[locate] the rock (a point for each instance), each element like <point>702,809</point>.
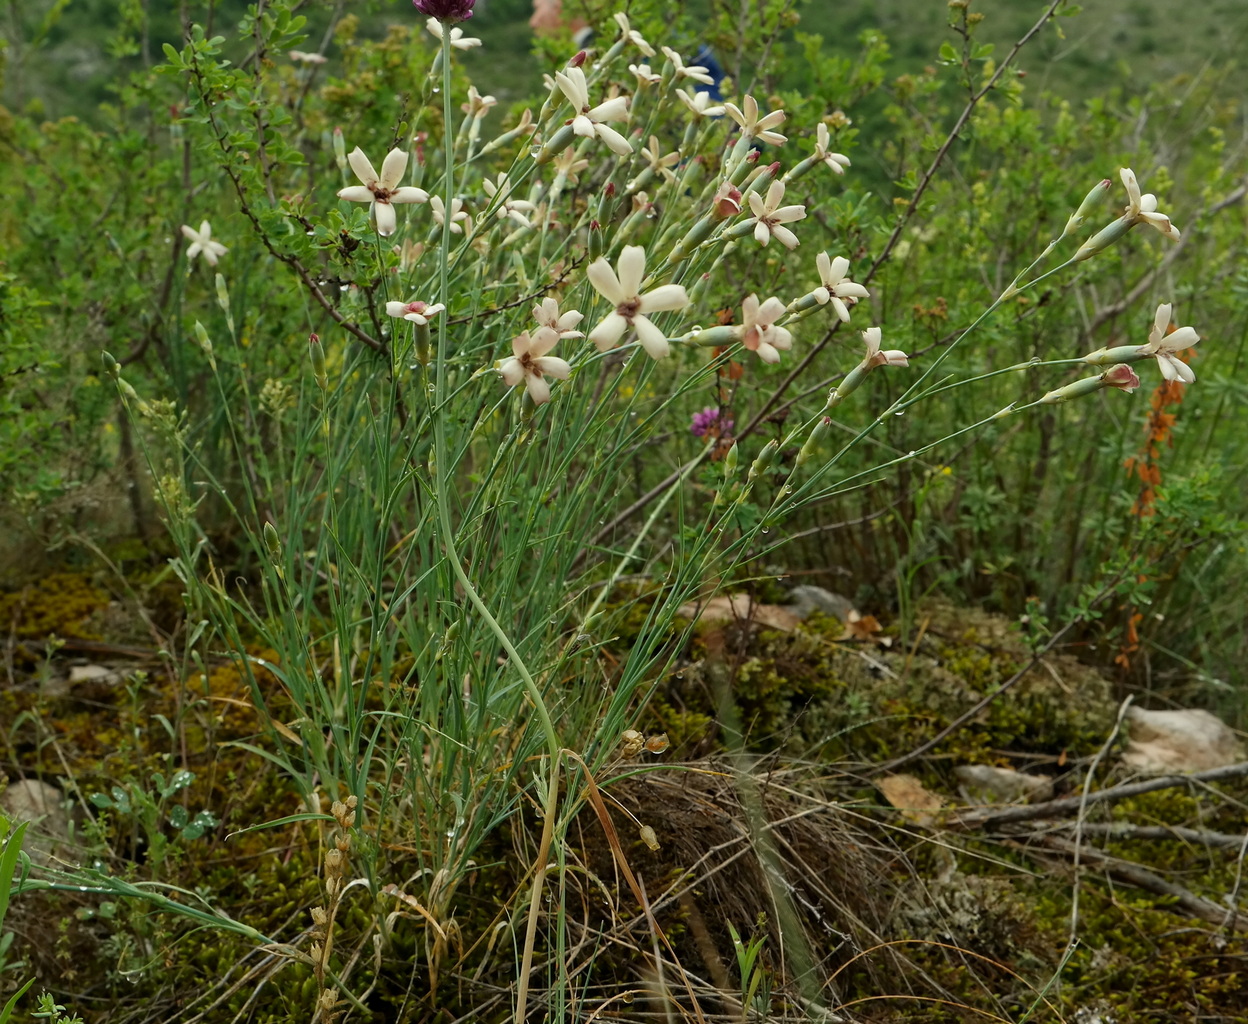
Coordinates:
<point>40,804</point>
<point>806,599</point>
<point>1187,740</point>
<point>93,674</point>
<point>909,796</point>
<point>730,607</point>
<point>987,784</point>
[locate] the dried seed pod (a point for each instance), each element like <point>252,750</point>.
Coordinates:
<point>631,743</point>
<point>649,838</point>
<point>657,743</point>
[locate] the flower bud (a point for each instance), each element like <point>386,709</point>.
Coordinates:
<point>1103,239</point>
<point>318,362</point>
<point>205,343</point>
<point>817,433</point>
<point>1121,377</point>
<point>579,60</point>
<point>730,462</point>
<point>272,541</point>
<point>110,365</point>
<point>765,458</point>
<point>1090,200</point>
<point>340,149</point>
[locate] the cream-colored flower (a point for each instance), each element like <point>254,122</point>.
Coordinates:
<point>459,219</point>
<point>516,210</point>
<point>644,75</point>
<point>477,105</point>
<point>202,243</point>
<point>759,332</point>
<point>588,121</point>
<point>381,191</point>
<point>874,357</point>
<point>699,104</point>
<point>529,364</point>
<point>837,161</point>
<point>694,72</point>
<point>547,314</point>
<point>660,162</point>
<point>1165,346</point>
<point>624,292</point>
<point>569,165</point>
<point>632,35</point>
<point>836,287</point>
<point>306,58</point>
<point>1144,207</point>
<point>459,41</point>
<point>770,217</point>
<point>755,127</point>
<point>416,311</point>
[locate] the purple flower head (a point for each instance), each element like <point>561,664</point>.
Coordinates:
<point>449,11</point>
<point>709,423</point>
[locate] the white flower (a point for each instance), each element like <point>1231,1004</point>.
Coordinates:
<point>644,75</point>
<point>201,242</point>
<point>1165,346</point>
<point>699,104</point>
<point>874,357</point>
<point>837,161</point>
<point>457,214</point>
<point>529,363</point>
<point>755,127</point>
<point>770,217</point>
<point>588,121</point>
<point>477,104</point>
<point>458,40</point>
<point>306,58</point>
<point>624,293</point>
<point>416,311</point>
<point>759,332</point>
<point>1144,207</point>
<point>836,287</point>
<point>381,190</point>
<point>508,209</point>
<point>633,35</point>
<point>547,314</point>
<point>694,72</point>
<point>569,165</point>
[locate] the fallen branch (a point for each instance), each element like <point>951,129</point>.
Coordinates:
<point>1126,830</point>
<point>1140,877</point>
<point>988,818</point>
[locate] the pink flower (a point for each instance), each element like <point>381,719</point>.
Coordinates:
<point>759,332</point>
<point>1165,346</point>
<point>874,357</point>
<point>630,306</point>
<point>770,217</point>
<point>1120,376</point>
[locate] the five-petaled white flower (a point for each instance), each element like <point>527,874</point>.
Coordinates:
<point>755,127</point>
<point>588,121</point>
<point>630,305</point>
<point>458,40</point>
<point>201,242</point>
<point>1164,346</point>
<point>837,161</point>
<point>694,72</point>
<point>759,332</point>
<point>874,357</point>
<point>381,190</point>
<point>457,214</point>
<point>699,104</point>
<point>547,314</point>
<point>770,217</point>
<point>529,363</point>
<point>516,210</point>
<point>1144,207</point>
<point>836,287</point>
<point>632,35</point>
<point>416,311</point>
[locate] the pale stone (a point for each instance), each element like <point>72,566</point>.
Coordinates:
<point>1187,740</point>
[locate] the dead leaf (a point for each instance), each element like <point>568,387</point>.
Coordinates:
<point>740,607</point>
<point>909,796</point>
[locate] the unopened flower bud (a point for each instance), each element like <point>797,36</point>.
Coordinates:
<point>1103,239</point>
<point>1120,376</point>
<point>817,433</point>
<point>579,60</point>
<point>730,462</point>
<point>1090,200</point>
<point>205,343</point>
<point>110,365</point>
<point>765,458</point>
<point>272,541</point>
<point>318,362</point>
<point>340,149</point>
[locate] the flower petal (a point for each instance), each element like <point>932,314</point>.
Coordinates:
<point>616,142</point>
<point>632,268</point>
<point>396,308</point>
<point>609,331</point>
<point>554,366</point>
<point>362,167</point>
<point>408,194</point>
<point>383,213</point>
<point>603,278</point>
<point>512,371</point>
<point>356,194</point>
<point>539,390</point>
<point>611,110</point>
<point>392,168</point>
<point>652,339</point>
<point>667,296</point>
